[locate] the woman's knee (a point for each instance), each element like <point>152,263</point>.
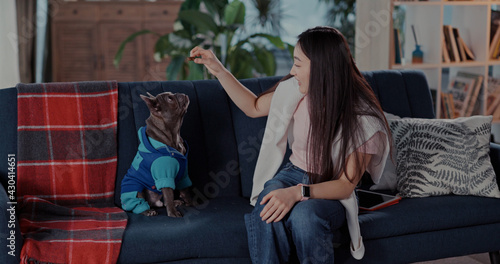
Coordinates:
<point>316,214</point>
<point>270,186</point>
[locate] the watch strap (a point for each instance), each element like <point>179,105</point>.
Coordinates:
<point>304,198</point>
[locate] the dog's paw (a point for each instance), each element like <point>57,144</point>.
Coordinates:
<point>178,203</point>
<point>150,212</point>
<point>190,203</point>
<point>185,195</point>
<point>173,212</point>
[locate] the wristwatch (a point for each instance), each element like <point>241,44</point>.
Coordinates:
<point>305,191</point>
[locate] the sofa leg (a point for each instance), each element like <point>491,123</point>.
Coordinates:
<point>495,257</point>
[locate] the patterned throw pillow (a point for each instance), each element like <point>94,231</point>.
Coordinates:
<point>444,156</point>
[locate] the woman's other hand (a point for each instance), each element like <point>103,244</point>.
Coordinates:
<point>279,202</point>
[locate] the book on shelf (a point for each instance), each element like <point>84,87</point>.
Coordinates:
<point>444,112</point>
<point>473,104</point>
<point>447,40</point>
<point>460,50</point>
<point>465,53</point>
<point>454,46</point>
<point>477,108</point>
<point>493,99</point>
<point>494,50</point>
<point>452,39</point>
<point>469,55</point>
<point>495,19</point>
<point>462,87</point>
<point>495,45</point>
<point>451,105</point>
<point>447,107</point>
<point>444,50</point>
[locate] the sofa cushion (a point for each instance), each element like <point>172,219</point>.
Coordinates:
<point>249,133</point>
<point>215,229</point>
<point>223,176</point>
<point>444,156</point>
<point>421,215</point>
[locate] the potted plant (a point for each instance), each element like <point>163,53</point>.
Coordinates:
<point>217,28</point>
<point>341,14</point>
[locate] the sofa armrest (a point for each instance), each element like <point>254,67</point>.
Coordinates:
<point>495,159</point>
<point>10,234</point>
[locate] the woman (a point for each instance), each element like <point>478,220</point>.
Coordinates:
<point>337,132</point>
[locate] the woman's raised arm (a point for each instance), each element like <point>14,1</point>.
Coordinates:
<point>245,99</point>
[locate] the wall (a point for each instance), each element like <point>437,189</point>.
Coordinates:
<point>9,65</point>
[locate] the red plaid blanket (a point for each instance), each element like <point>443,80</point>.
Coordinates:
<point>67,157</point>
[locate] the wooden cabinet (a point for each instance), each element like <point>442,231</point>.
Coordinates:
<point>87,34</point>
<point>73,54</point>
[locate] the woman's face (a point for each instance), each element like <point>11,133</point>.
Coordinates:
<point>301,69</point>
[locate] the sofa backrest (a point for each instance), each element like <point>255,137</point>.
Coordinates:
<point>224,143</point>
<point>218,133</point>
<point>404,93</point>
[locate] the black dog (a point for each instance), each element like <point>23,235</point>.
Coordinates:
<point>160,165</point>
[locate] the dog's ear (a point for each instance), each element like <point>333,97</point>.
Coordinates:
<point>152,104</point>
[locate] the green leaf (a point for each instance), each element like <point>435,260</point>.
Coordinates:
<point>180,39</point>
<point>162,46</point>
<point>241,63</point>
<point>266,60</point>
<point>195,71</point>
<point>275,40</point>
<point>119,53</point>
<point>175,67</point>
<point>216,7</point>
<point>191,5</point>
<point>203,22</point>
<point>234,13</point>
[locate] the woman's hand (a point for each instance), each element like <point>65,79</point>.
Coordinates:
<point>245,99</point>
<point>279,202</point>
<point>208,58</point>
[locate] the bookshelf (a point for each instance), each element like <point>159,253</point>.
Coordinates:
<point>375,48</point>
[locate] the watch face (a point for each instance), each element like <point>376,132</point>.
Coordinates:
<point>306,191</point>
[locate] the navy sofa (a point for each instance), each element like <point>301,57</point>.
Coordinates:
<point>224,144</point>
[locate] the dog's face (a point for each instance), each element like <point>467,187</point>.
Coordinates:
<point>167,106</point>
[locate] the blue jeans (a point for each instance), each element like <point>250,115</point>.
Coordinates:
<point>306,232</point>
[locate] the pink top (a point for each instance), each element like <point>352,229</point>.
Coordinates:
<point>300,132</point>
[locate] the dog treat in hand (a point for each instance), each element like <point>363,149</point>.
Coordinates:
<point>191,58</point>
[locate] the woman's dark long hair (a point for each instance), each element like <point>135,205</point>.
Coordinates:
<point>338,94</point>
